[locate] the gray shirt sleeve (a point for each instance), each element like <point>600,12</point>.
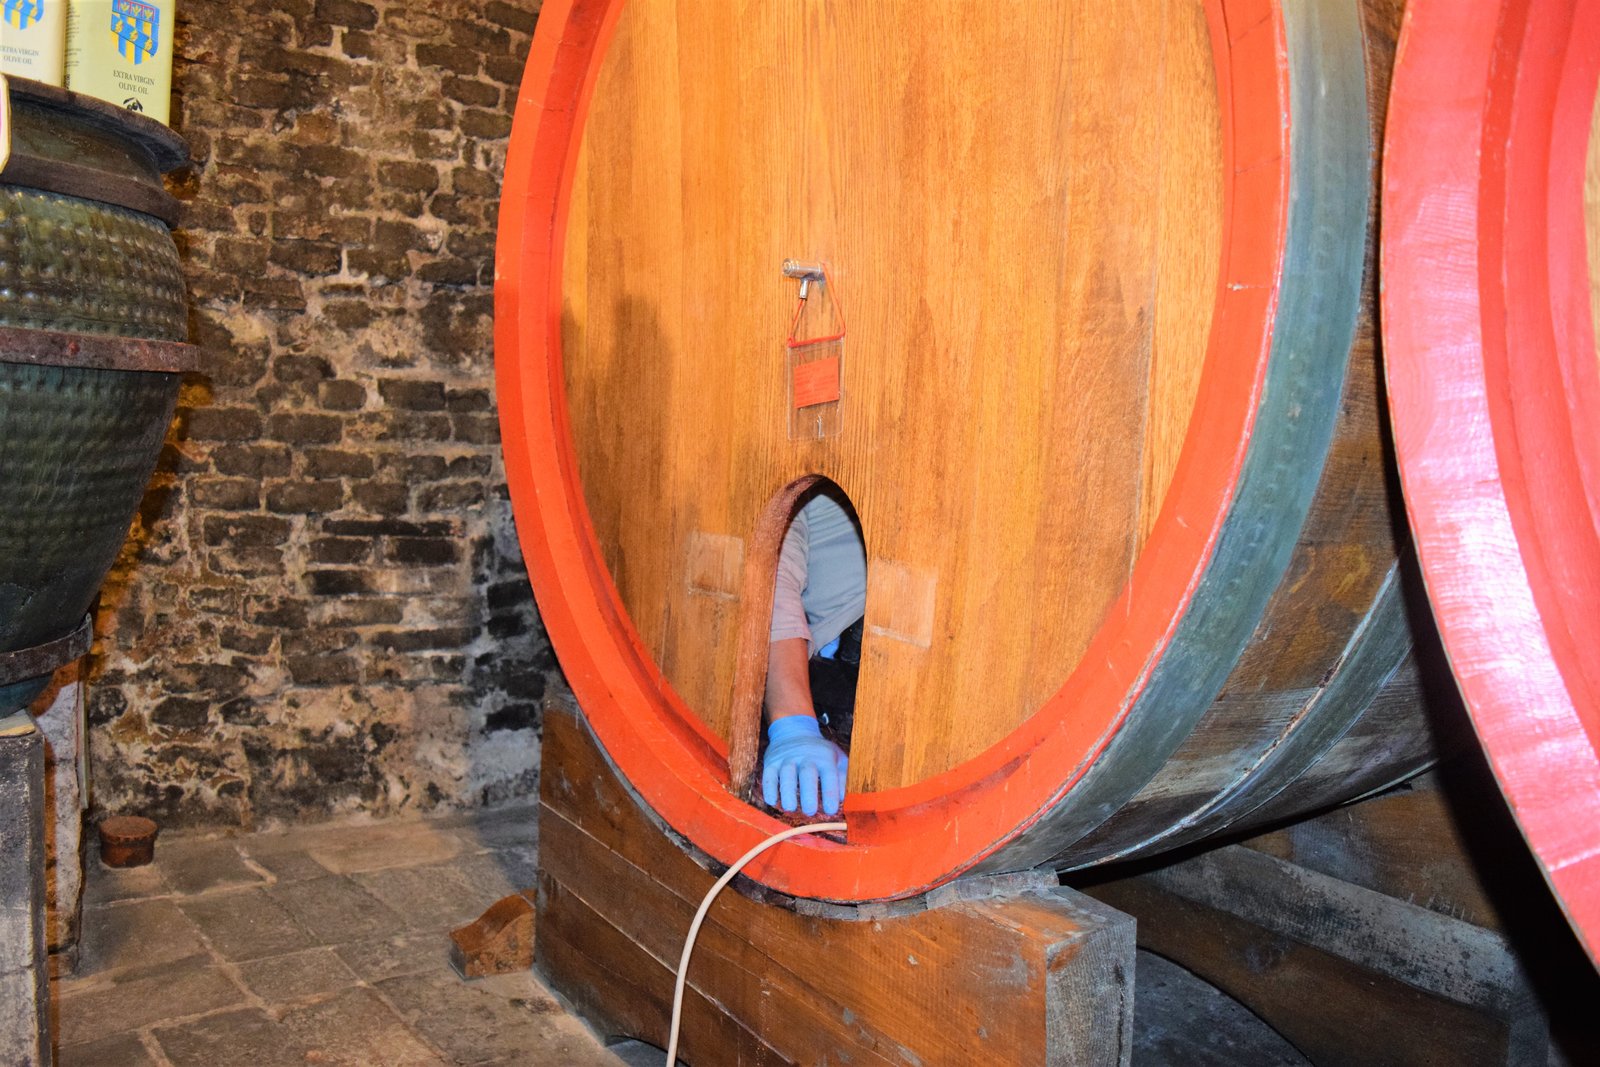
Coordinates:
<point>822,575</point>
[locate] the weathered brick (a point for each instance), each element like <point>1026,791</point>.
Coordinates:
<point>382,498</point>
<point>277,612</point>
<point>503,626</point>
<point>340,550</point>
<point>302,429</point>
<point>514,717</point>
<point>322,670</point>
<point>422,551</point>
<point>470,33</point>
<point>226,494</point>
<point>502,595</point>
<point>389,528</point>
<point>412,395</point>
<point>306,498</point>
<point>342,395</point>
<point>181,713</point>
<point>289,368</point>
<point>472,92</point>
<point>255,461</point>
<point>307,257</point>
<point>347,13</point>
<point>338,582</point>
<point>422,640</point>
<point>274,294</point>
<point>477,122</point>
<point>450,57</point>
<point>418,22</point>
<point>253,642</point>
<point>317,640</point>
<point>361,611</point>
<point>224,424</point>
<point>478,429</point>
<point>338,463</point>
<point>468,400</point>
<point>416,467</point>
<point>450,272</point>
<point>519,17</point>
<point>410,426</point>
<point>450,496</point>
<point>245,530</point>
<point>417,177</point>
<point>507,70</point>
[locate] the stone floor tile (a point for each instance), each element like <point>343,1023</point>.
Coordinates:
<point>563,1040</point>
<point>437,897</point>
<point>247,1037</point>
<point>516,826</point>
<point>350,849</point>
<point>639,1054</point>
<point>135,934</point>
<point>296,975</point>
<point>123,1050</point>
<point>357,1028</point>
<point>283,856</point>
<point>388,957</point>
<point>500,873</point>
<point>103,885</point>
<point>197,866</point>
<point>504,1019</point>
<point>336,910</point>
<point>91,1010</point>
<point>246,925</point>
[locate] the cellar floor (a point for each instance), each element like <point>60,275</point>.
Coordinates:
<point>327,945</point>
<point>322,945</point>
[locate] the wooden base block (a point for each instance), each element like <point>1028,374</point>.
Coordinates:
<point>1013,970</point>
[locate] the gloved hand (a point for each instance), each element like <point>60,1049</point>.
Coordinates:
<point>799,763</point>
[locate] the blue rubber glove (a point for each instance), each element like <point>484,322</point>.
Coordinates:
<point>801,762</point>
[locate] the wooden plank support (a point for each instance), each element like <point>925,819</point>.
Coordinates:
<point>1348,974</point>
<point>1008,970</point>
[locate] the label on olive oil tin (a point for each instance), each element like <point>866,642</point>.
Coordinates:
<point>121,51</point>
<point>33,39</point>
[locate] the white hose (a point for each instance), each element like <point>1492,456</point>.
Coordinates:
<point>705,906</point>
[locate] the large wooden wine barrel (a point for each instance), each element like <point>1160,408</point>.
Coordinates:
<point>1491,259</point>
<point>1109,410</point>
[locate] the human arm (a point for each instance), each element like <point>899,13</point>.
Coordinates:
<point>799,764</point>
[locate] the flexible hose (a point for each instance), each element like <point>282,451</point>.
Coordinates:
<point>705,906</point>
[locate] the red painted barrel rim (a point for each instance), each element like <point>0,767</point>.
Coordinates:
<point>906,840</point>
<point>1488,333</point>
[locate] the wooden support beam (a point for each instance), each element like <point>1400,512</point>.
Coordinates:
<point>1411,928</point>
<point>1008,970</point>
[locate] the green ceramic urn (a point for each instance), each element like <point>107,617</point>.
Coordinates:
<point>92,322</point>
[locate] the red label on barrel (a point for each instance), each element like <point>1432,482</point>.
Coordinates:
<point>816,382</point>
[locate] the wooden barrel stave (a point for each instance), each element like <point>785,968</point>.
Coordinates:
<point>1303,626</point>
<point>1277,551</point>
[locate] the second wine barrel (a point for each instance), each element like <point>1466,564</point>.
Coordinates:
<point>1492,283</point>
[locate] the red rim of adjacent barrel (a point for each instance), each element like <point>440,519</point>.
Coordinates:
<point>1490,349</point>
<point>906,840</point>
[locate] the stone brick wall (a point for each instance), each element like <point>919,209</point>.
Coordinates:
<point>321,609</point>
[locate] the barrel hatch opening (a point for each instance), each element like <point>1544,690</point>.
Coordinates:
<point>801,638</point>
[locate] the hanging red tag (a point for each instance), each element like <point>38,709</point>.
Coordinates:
<point>816,382</point>
<point>814,358</point>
